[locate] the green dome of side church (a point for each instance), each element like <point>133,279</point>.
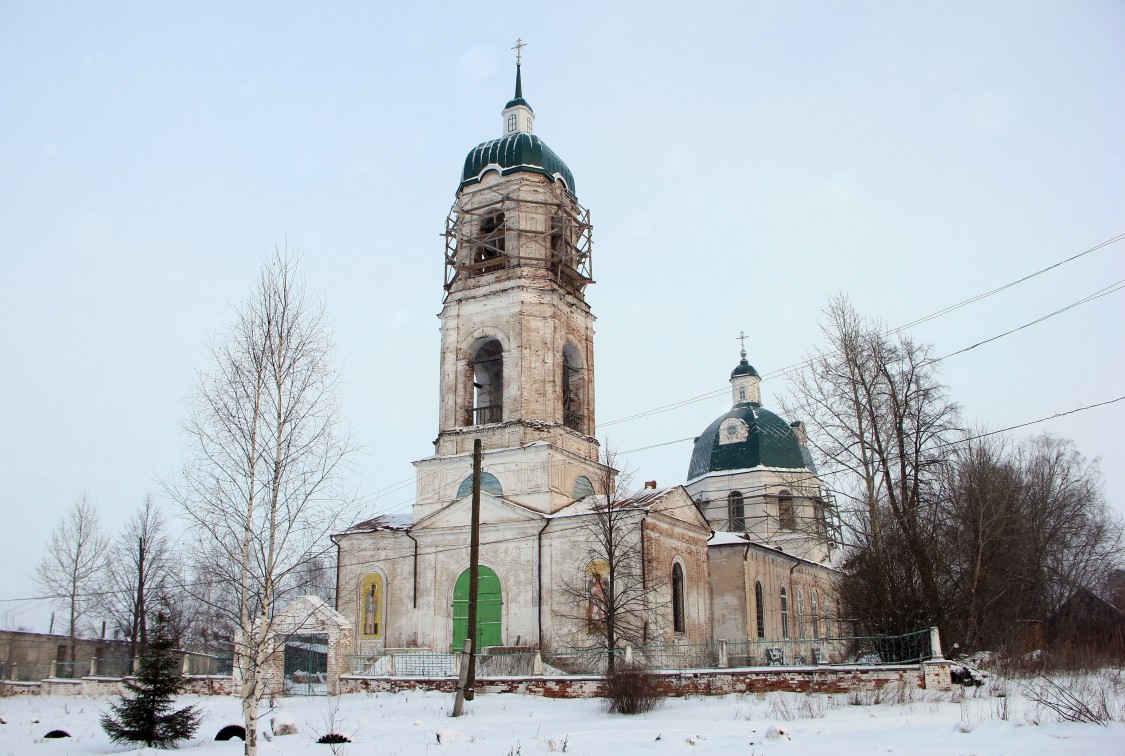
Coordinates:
<point>748,436</point>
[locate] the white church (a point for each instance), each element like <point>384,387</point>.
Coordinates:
<point>741,551</point>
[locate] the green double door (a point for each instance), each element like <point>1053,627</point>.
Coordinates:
<point>489,605</point>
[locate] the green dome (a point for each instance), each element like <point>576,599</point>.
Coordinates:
<point>768,442</point>
<point>513,153</point>
<point>744,368</point>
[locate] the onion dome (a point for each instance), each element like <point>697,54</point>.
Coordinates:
<point>748,436</point>
<point>519,150</point>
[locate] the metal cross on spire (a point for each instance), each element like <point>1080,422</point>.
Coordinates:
<point>520,44</point>
<point>741,338</point>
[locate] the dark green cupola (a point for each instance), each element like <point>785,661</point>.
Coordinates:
<point>519,150</point>
<point>747,436</point>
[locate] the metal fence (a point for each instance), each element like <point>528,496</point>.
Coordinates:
<point>193,664</point>
<point>911,648</point>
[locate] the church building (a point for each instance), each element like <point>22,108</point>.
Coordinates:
<point>712,559</point>
<point>517,372</point>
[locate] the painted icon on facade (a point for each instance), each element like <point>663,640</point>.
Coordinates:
<point>597,592</point>
<point>372,606</point>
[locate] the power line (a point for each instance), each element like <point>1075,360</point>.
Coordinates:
<point>794,367</point>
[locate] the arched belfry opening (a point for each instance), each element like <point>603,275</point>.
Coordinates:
<point>519,221</point>
<point>573,378</point>
<point>486,365</point>
<point>489,243</point>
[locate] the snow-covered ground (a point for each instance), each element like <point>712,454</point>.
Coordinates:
<point>497,724</point>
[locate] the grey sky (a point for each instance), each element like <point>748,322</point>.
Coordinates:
<point>742,162</point>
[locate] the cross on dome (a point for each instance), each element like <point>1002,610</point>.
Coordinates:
<point>741,338</point>
<point>518,47</point>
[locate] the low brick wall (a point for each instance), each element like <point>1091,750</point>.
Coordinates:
<point>930,676</point>
<point>199,685</point>
<point>9,688</point>
<point>209,685</point>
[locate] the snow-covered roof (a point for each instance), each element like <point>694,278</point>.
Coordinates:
<point>641,500</point>
<point>383,522</point>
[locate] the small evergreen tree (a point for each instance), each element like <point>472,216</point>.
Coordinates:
<point>146,715</point>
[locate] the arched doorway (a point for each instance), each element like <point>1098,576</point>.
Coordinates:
<point>489,605</point>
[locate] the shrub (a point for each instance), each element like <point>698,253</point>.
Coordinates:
<point>332,738</point>
<point>632,690</point>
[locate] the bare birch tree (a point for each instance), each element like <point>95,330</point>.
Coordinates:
<point>263,483</point>
<point>72,562</point>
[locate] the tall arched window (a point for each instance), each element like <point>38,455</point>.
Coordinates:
<point>800,613</point>
<point>488,383</point>
<point>736,512</point>
<point>815,615</point>
<point>489,243</point>
<point>760,609</point>
<point>784,613</point>
<point>786,516</point>
<point>678,624</point>
<point>572,385</point>
<point>512,122</point>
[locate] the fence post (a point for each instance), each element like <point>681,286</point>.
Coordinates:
<point>537,665</point>
<point>54,669</point>
<point>187,664</point>
<point>136,664</point>
<point>391,665</point>
<point>93,666</point>
<point>935,644</point>
<point>628,654</point>
<point>723,660</point>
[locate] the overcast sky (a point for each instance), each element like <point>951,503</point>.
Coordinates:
<point>742,162</point>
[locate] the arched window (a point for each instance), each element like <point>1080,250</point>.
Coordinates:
<point>736,512</point>
<point>815,615</point>
<point>786,516</point>
<point>488,383</point>
<point>678,624</point>
<point>489,244</point>
<point>800,613</point>
<point>512,122</point>
<point>572,380</point>
<point>488,482</point>
<point>784,613</point>
<point>582,488</point>
<point>760,609</point>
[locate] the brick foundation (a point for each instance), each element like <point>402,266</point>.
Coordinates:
<point>930,676</point>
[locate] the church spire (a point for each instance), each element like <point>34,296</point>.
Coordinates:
<point>519,118</point>
<point>744,379</point>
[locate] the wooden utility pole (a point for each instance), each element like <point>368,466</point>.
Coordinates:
<point>468,677</point>
<point>474,569</point>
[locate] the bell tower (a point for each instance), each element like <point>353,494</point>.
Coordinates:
<point>517,335</point>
